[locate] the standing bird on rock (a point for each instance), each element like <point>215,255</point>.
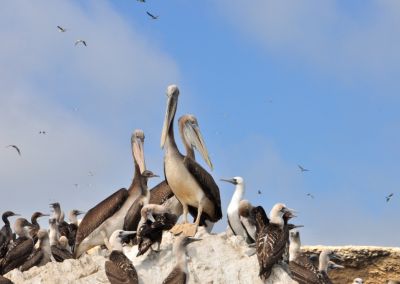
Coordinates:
<point>35,225</point>
<point>6,234</point>
<point>325,256</point>
<point>192,185</point>
<point>272,236</point>
<point>234,220</point>
<point>58,245</point>
<point>109,215</point>
<point>40,255</point>
<point>178,275</point>
<point>119,269</point>
<point>21,248</point>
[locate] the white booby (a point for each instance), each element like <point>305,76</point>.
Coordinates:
<point>40,255</point>
<point>358,281</point>
<point>21,248</point>
<point>157,218</point>
<point>109,215</point>
<point>179,273</point>
<point>325,256</point>
<point>191,184</point>
<point>6,234</point>
<point>119,269</point>
<point>272,236</point>
<point>234,220</point>
<point>35,225</point>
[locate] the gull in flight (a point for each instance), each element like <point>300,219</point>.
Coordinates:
<point>309,194</point>
<point>389,197</point>
<point>16,148</point>
<point>80,41</point>
<point>152,16</point>
<point>42,132</point>
<point>303,169</point>
<point>61,29</point>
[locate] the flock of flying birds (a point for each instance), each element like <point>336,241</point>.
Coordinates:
<point>131,222</point>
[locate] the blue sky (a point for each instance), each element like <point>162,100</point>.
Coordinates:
<point>273,84</point>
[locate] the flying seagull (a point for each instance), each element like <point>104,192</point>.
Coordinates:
<point>16,148</point>
<point>61,29</point>
<point>80,41</point>
<point>152,16</point>
<point>303,169</point>
<point>389,197</point>
<point>309,194</point>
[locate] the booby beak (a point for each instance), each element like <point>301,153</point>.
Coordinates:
<point>127,233</point>
<point>172,102</point>
<point>290,213</point>
<point>193,135</point>
<point>333,255</point>
<point>80,213</point>
<point>231,180</point>
<point>150,216</point>
<point>137,142</point>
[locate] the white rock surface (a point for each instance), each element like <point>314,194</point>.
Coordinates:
<point>214,259</point>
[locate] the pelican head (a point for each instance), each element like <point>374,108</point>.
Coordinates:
<point>117,238</point>
<point>234,180</point>
<point>137,143</point>
<point>191,135</point>
<point>172,103</point>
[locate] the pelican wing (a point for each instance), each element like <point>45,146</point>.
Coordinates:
<point>207,184</point>
<point>177,276</point>
<point>119,269</point>
<point>160,193</point>
<point>101,212</point>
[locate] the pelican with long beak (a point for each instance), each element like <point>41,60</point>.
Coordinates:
<point>109,215</point>
<point>192,185</point>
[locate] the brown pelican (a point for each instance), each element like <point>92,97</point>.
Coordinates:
<point>109,215</point>
<point>191,184</point>
<point>272,236</point>
<point>358,281</point>
<point>158,218</point>
<point>41,255</point>
<point>119,269</point>
<point>21,248</point>
<point>325,256</point>
<point>35,225</point>
<point>178,275</point>
<point>6,234</point>
<point>234,220</point>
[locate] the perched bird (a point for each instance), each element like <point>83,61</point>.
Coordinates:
<point>192,185</point>
<point>178,275</point>
<point>40,255</point>
<point>247,218</point>
<point>234,221</point>
<point>310,195</point>
<point>58,214</point>
<point>35,225</point>
<point>152,16</point>
<point>58,245</point>
<point>6,234</point>
<point>119,269</point>
<point>80,41</point>
<point>303,169</point>
<point>73,226</point>
<point>21,248</point>
<point>16,148</point>
<point>61,29</point>
<point>389,197</point>
<point>358,281</point>
<point>271,237</point>
<point>324,258</point>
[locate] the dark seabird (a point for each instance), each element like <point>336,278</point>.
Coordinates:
<point>40,255</point>
<point>21,248</point>
<point>234,220</point>
<point>192,185</point>
<point>109,215</point>
<point>58,245</point>
<point>157,218</point>
<point>35,225</point>
<point>179,273</point>
<point>80,41</point>
<point>61,29</point>
<point>16,148</point>
<point>152,16</point>
<point>271,237</point>
<point>389,197</point>
<point>119,269</point>
<point>6,234</point>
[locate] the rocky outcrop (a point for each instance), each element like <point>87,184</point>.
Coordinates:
<point>375,265</point>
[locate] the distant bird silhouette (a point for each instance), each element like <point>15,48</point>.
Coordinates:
<point>303,169</point>
<point>90,173</point>
<point>309,194</point>
<point>80,41</point>
<point>152,16</point>
<point>61,29</point>
<point>259,192</point>
<point>42,132</point>
<point>389,197</point>
<point>141,1</point>
<point>16,148</point>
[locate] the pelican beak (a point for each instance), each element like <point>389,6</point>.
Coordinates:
<point>192,134</point>
<point>128,233</point>
<point>172,102</point>
<point>231,180</point>
<point>138,150</point>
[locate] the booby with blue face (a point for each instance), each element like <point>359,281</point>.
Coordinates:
<point>192,185</point>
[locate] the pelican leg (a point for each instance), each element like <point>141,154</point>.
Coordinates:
<point>191,229</point>
<point>178,228</point>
